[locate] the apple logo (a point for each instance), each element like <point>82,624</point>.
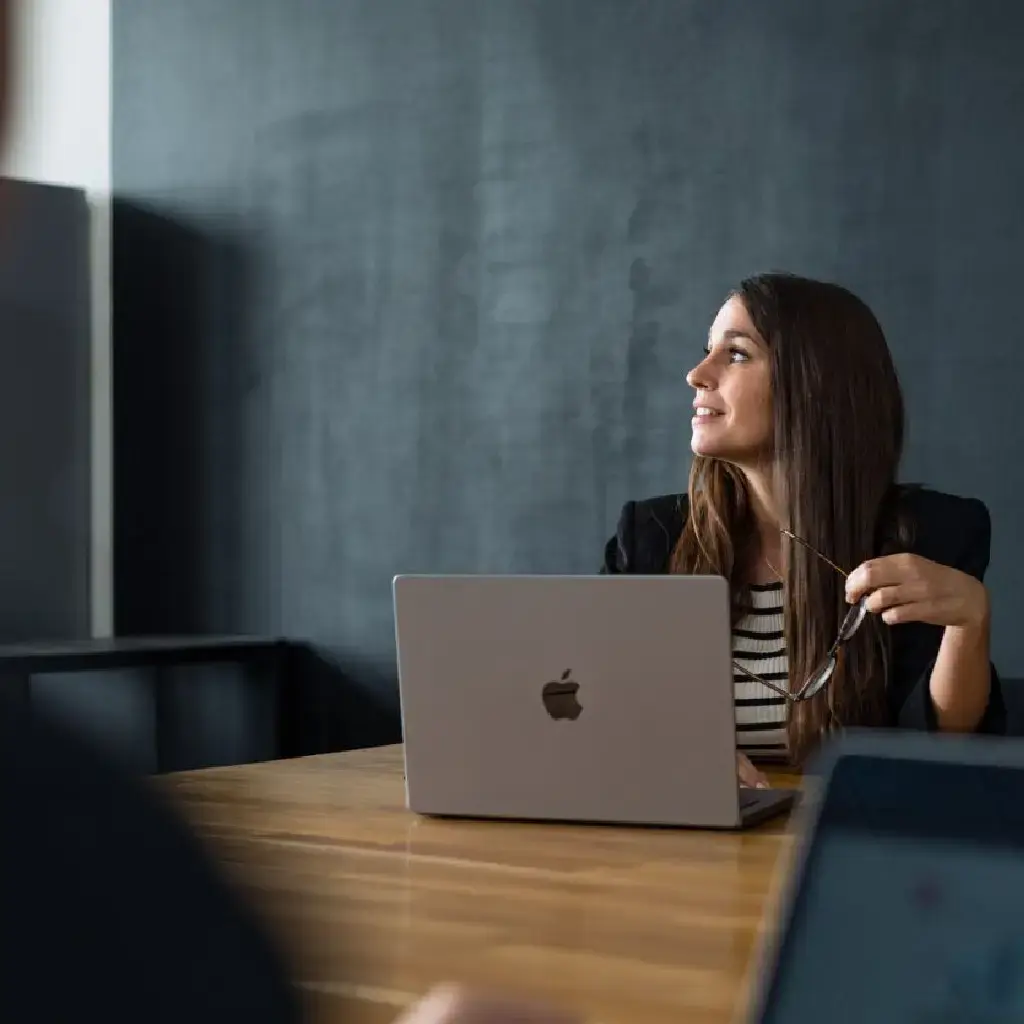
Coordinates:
<point>560,700</point>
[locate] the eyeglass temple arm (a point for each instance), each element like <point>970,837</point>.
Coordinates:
<point>814,551</point>
<point>764,682</point>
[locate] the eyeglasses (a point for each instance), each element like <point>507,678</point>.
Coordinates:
<point>818,680</point>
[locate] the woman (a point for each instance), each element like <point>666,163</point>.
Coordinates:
<point>797,436</point>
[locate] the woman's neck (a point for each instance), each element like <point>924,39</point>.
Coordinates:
<point>768,567</point>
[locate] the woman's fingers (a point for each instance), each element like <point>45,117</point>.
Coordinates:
<point>886,597</point>
<point>908,588</point>
<point>748,774</point>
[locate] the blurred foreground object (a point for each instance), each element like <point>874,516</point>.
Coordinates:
<point>110,908</point>
<point>908,894</point>
<point>453,1004</point>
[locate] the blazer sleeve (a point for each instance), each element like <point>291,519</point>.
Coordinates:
<point>915,645</point>
<point>618,552</point>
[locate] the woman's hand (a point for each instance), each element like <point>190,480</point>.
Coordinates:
<point>749,775</point>
<point>909,588</point>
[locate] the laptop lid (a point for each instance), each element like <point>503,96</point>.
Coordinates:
<point>908,897</point>
<point>578,698</point>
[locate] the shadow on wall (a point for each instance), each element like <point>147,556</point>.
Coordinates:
<point>194,526</point>
<point>328,710</point>
<point>196,521</point>
<point>158,423</point>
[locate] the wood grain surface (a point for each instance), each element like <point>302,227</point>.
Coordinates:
<point>374,905</point>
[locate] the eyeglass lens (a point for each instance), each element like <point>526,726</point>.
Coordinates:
<point>852,621</point>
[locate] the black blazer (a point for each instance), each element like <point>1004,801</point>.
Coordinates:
<point>950,530</point>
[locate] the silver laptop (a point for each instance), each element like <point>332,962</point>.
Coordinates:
<point>572,698</point>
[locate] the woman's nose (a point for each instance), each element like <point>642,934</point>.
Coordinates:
<point>700,377</point>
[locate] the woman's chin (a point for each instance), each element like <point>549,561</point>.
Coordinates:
<point>717,449</point>
<point>703,446</point>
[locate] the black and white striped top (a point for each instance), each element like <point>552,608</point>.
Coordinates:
<point>758,644</point>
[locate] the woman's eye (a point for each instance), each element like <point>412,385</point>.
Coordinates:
<point>737,355</point>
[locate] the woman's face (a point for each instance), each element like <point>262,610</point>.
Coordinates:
<point>733,407</point>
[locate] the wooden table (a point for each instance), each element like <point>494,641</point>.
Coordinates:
<point>375,905</point>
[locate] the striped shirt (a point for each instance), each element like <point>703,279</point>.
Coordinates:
<point>759,645</point>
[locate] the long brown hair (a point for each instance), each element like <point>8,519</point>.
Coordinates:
<point>838,437</point>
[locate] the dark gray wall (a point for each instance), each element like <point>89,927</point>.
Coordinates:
<point>431,273</point>
<point>45,503</point>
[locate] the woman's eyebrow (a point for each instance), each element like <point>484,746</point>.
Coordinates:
<point>734,334</point>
